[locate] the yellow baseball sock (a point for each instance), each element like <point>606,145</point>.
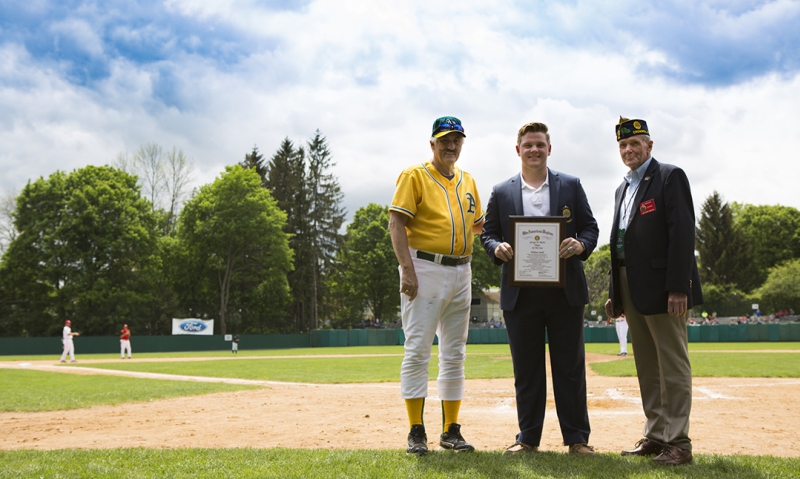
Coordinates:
<point>450,413</point>
<point>415,407</point>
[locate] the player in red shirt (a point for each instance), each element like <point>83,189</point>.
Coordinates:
<point>125,341</point>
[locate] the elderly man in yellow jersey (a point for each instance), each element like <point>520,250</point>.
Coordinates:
<point>434,213</point>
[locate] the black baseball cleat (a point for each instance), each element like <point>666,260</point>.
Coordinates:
<point>417,440</point>
<point>452,439</point>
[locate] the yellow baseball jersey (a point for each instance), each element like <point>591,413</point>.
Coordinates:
<point>441,211</point>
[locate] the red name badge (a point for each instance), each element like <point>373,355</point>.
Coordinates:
<point>647,207</point>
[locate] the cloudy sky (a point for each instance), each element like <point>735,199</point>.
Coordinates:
<point>717,82</point>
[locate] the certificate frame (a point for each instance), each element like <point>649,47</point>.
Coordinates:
<point>536,262</point>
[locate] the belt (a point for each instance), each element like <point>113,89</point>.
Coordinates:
<point>442,259</point>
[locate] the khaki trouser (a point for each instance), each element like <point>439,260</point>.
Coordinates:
<point>661,352</point>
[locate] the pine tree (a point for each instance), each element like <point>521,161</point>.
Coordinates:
<point>725,257</point>
<point>325,218</point>
<point>286,179</point>
<point>255,160</point>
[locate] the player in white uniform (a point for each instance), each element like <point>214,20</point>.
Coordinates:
<point>125,341</point>
<point>66,339</point>
<point>622,335</point>
<point>434,213</point>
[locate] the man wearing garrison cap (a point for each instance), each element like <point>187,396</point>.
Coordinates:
<point>654,282</point>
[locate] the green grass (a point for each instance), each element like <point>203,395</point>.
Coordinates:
<point>613,348</point>
<point>600,348</point>
<point>285,463</point>
<point>495,364</point>
<point>227,353</point>
<point>483,361</point>
<point>771,346</point>
<point>26,390</point>
<point>721,365</point>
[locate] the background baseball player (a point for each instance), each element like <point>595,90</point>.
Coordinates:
<point>125,341</point>
<point>66,340</point>
<point>235,345</point>
<point>434,213</point>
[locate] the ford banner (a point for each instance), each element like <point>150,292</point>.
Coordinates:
<point>193,326</point>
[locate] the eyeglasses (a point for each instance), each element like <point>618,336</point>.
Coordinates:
<point>449,127</point>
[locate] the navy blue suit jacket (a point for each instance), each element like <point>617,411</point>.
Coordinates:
<point>565,190</point>
<point>659,242</point>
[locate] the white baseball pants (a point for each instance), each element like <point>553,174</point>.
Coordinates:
<point>441,308</point>
<point>69,348</point>
<point>622,334</point>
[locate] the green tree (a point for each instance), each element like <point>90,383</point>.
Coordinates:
<point>725,256</point>
<point>366,269</point>
<point>725,300</point>
<point>781,290</point>
<point>232,233</point>
<point>254,159</point>
<point>772,231</point>
<point>597,269</point>
<point>85,250</point>
<point>485,274</point>
<point>286,179</point>
<point>325,217</point>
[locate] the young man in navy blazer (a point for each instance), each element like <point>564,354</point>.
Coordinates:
<point>531,311</point>
<point>654,282</point>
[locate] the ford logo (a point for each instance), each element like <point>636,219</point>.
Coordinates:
<point>192,326</point>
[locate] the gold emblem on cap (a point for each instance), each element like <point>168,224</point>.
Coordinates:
<point>637,125</point>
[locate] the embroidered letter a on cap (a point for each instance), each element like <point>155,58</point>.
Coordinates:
<point>647,206</point>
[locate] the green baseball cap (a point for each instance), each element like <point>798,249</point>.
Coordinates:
<point>445,125</point>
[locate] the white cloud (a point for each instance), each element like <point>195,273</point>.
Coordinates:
<point>80,33</point>
<point>372,76</point>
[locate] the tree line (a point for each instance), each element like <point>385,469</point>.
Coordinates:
<point>746,254</point>
<point>254,250</point>
<point>259,249</point>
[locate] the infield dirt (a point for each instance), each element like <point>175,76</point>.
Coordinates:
<point>729,416</point>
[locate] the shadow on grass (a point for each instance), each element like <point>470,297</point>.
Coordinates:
<point>552,464</point>
<point>297,463</point>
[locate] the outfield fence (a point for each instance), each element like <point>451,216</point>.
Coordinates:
<point>321,338</point>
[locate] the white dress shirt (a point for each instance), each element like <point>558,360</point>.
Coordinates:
<point>536,201</point>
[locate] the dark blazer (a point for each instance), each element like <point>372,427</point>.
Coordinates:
<point>565,190</point>
<point>659,242</point>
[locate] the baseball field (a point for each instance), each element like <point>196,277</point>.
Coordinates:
<point>336,412</point>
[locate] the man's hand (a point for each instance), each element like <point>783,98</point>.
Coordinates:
<point>570,247</point>
<point>397,230</point>
<point>676,304</point>
<point>504,252</point>
<point>409,284</point>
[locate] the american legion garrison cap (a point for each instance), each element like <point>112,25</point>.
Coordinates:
<point>627,128</point>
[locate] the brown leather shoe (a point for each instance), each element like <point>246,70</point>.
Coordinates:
<point>519,447</point>
<point>645,447</point>
<point>581,449</point>
<point>673,456</point>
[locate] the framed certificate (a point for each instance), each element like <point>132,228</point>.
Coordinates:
<point>535,241</point>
